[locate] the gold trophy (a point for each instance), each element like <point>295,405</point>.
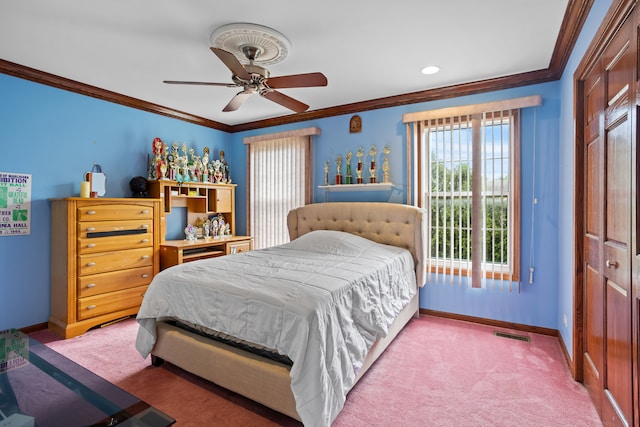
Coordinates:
<point>338,169</point>
<point>359,155</point>
<point>372,169</point>
<point>385,163</point>
<point>348,177</point>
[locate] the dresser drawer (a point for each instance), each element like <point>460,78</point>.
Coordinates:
<point>237,247</point>
<point>107,303</point>
<point>98,229</point>
<point>114,281</point>
<point>113,211</point>
<point>110,261</point>
<point>105,244</point>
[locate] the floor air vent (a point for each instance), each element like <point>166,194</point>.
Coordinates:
<point>512,336</point>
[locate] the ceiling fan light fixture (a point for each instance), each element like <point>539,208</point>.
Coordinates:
<point>272,47</point>
<point>430,69</point>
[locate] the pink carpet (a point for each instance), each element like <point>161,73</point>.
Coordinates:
<point>438,372</point>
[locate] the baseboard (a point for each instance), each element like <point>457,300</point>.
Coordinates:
<point>506,325</point>
<point>567,358</point>
<point>34,328</point>
<point>491,322</point>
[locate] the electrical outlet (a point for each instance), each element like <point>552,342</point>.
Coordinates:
<point>566,321</point>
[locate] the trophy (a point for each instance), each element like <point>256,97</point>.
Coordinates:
<point>326,172</point>
<point>348,177</point>
<point>372,169</point>
<point>359,155</point>
<point>385,164</point>
<point>338,169</point>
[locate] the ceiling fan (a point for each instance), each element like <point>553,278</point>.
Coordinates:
<point>253,79</point>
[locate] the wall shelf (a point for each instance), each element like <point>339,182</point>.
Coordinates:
<point>378,186</point>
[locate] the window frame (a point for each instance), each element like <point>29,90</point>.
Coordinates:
<point>463,124</point>
<point>304,177</point>
<point>415,124</point>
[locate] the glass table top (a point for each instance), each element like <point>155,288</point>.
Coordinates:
<point>39,387</point>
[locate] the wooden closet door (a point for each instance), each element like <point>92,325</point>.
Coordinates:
<point>593,184</point>
<point>619,65</point>
<point>608,185</point>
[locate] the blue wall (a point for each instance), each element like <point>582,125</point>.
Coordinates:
<point>535,304</point>
<point>57,135</point>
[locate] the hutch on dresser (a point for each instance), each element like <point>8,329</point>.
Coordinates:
<point>202,199</point>
<point>104,254</point>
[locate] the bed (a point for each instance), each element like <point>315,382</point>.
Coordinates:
<point>348,305</point>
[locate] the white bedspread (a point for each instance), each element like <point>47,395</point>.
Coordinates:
<point>322,300</point>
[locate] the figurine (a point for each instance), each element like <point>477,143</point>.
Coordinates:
<point>225,169</point>
<point>158,162</point>
<point>205,165</point>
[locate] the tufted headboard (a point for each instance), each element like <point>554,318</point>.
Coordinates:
<point>388,223</point>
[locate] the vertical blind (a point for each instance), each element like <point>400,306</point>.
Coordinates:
<point>467,176</point>
<point>278,181</point>
<point>468,191</point>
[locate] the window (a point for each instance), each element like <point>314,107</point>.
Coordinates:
<point>467,176</point>
<point>279,179</point>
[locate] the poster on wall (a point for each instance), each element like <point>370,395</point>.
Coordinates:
<point>15,204</point>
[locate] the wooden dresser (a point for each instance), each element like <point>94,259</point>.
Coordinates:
<point>104,254</point>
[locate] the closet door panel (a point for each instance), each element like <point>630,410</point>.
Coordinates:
<point>593,182</point>
<point>617,407</point>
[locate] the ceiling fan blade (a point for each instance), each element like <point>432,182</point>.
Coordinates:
<point>285,101</point>
<point>297,80</point>
<point>232,63</point>
<point>237,101</point>
<point>180,82</point>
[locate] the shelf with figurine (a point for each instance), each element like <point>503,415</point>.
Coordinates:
<point>168,164</point>
<point>347,183</point>
<point>188,180</point>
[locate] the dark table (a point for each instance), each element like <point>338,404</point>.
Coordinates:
<point>39,387</point>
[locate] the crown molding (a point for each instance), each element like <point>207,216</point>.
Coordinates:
<point>575,16</point>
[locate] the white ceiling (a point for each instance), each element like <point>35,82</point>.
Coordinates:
<point>367,50</point>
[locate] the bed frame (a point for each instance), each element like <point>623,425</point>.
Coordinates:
<point>269,382</point>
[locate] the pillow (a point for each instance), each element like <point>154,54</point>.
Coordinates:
<point>331,242</point>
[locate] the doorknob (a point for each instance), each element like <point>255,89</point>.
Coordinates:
<point>614,264</point>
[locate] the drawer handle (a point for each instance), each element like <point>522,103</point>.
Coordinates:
<point>145,211</point>
<point>91,228</point>
<point>91,307</point>
<point>145,256</point>
<point>144,240</point>
<point>612,264</point>
<point>145,275</point>
<point>91,245</point>
<point>145,226</point>
<point>91,264</point>
<point>91,212</point>
<point>91,285</point>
